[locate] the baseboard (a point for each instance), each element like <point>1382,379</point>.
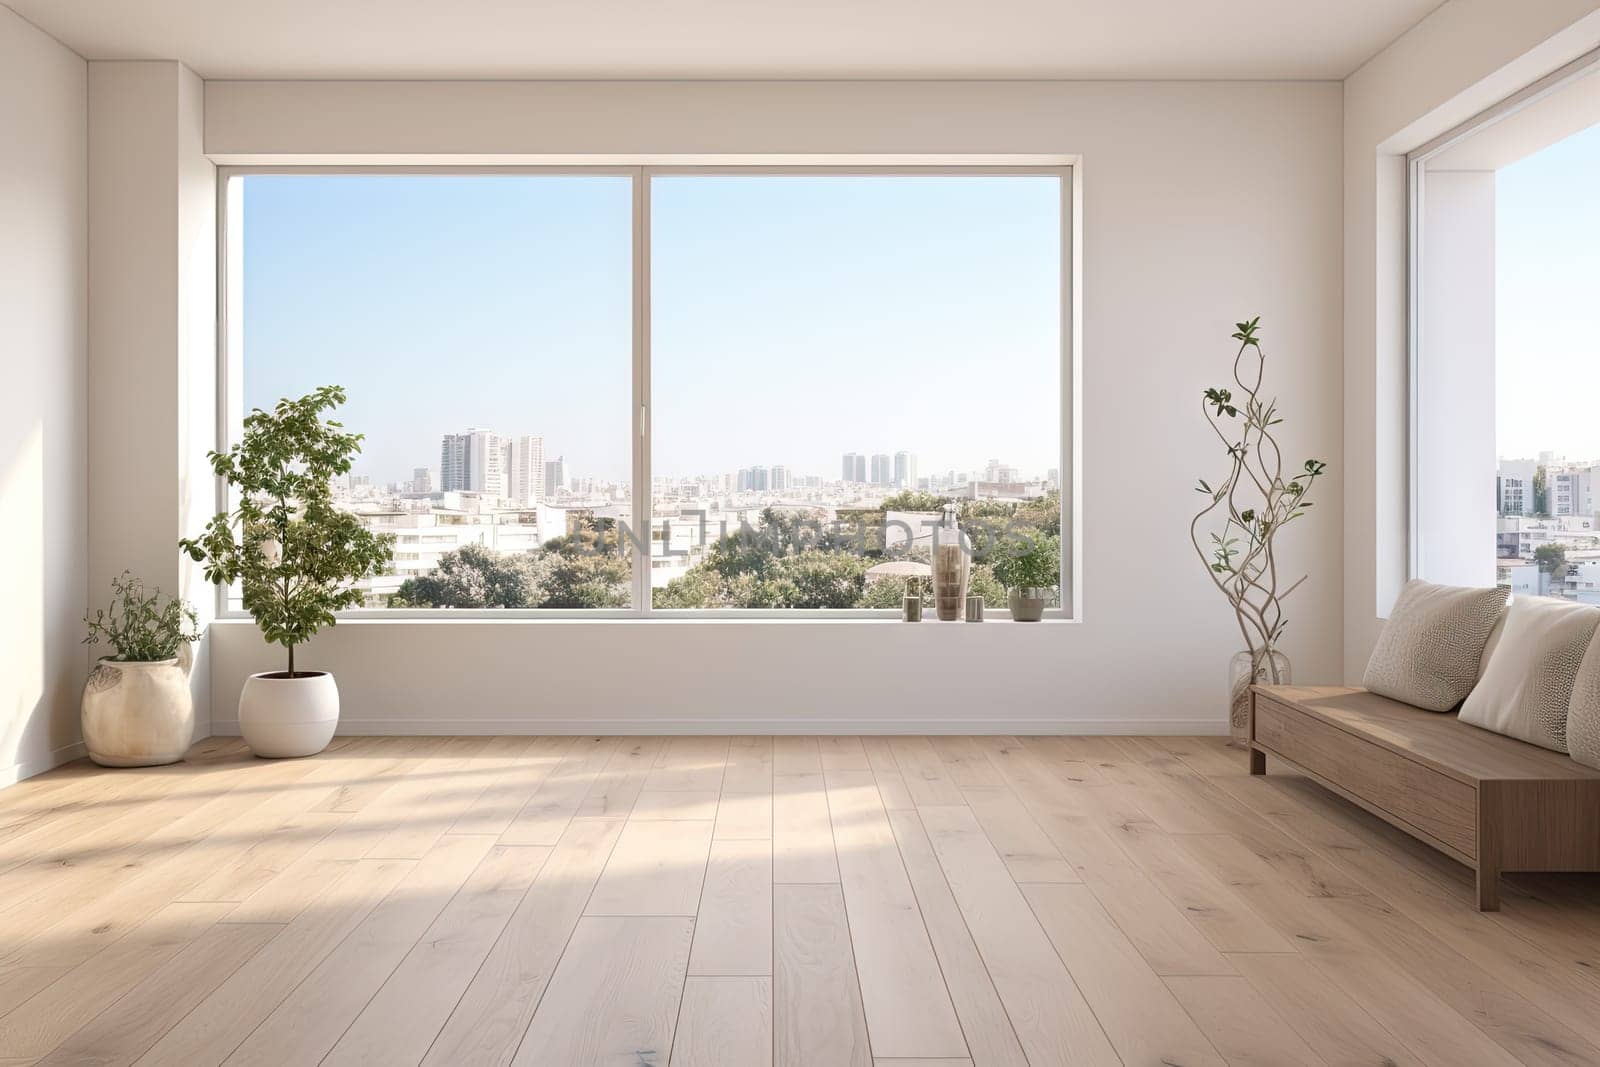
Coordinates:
<point>483,727</point>
<point>18,771</point>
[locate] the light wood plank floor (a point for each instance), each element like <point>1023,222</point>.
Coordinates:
<point>747,901</point>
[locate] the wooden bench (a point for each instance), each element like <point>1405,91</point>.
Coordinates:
<point>1493,803</point>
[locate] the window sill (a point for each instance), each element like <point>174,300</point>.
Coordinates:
<point>495,618</point>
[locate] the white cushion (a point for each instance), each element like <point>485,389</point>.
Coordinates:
<point>1431,647</point>
<point>1583,711</point>
<point>1528,686</point>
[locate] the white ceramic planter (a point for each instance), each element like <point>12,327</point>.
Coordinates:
<point>138,714</point>
<point>282,717</point>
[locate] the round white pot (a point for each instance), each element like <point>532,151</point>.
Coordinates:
<point>282,717</point>
<point>137,714</point>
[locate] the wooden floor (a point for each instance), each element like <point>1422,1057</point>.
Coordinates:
<point>821,902</point>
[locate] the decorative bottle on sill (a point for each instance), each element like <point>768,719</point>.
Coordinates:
<point>1244,670</point>
<point>951,568</point>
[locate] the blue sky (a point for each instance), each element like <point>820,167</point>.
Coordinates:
<point>1547,301</point>
<point>794,319</point>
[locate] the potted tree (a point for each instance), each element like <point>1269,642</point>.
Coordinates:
<point>1030,569</point>
<point>297,558</point>
<point>137,710</point>
<point>1235,532</point>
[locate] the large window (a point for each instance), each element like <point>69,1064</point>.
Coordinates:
<point>1505,317</point>
<point>806,368</point>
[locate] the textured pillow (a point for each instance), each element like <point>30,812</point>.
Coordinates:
<point>1583,712</point>
<point>1429,651</point>
<point>1528,686</point>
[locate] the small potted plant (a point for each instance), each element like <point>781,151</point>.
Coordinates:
<point>137,710</point>
<point>296,556</point>
<point>1030,569</point>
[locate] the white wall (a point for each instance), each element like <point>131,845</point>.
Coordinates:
<point>1203,203</point>
<point>1455,542</point>
<point>152,331</point>
<point>1464,57</point>
<point>43,404</point>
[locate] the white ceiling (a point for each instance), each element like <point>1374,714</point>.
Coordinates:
<point>735,38</point>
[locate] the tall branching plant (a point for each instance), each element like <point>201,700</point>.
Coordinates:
<point>1235,534</point>
<point>296,555</point>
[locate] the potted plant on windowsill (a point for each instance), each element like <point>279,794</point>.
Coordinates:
<point>1030,569</point>
<point>137,710</point>
<point>297,558</point>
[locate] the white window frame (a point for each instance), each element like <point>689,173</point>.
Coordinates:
<point>1416,165</point>
<point>1069,174</point>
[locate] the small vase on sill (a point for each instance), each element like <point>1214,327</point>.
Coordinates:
<point>1244,670</point>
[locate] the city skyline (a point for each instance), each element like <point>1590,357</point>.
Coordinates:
<point>486,461</point>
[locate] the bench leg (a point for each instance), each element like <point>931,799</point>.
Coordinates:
<point>1490,812</point>
<point>1488,888</point>
<point>1258,761</point>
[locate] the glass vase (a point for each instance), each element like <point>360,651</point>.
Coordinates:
<point>1244,670</point>
<point>951,568</point>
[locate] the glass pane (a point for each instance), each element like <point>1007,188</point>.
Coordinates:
<point>1546,318</point>
<point>482,328</point>
<point>834,360</point>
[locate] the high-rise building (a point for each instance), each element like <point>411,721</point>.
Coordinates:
<point>905,470</point>
<point>525,469</point>
<point>472,462</point>
<point>851,466</point>
<point>778,480</point>
<point>487,463</point>
<point>421,480</point>
<point>555,476</point>
<point>453,463</point>
<point>882,469</point>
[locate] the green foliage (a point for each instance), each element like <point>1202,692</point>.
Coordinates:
<point>811,578</point>
<point>782,568</point>
<point>890,592</point>
<point>1254,501</point>
<point>474,577</point>
<point>295,554</point>
<point>914,500</point>
<point>582,570</point>
<point>1549,557</point>
<point>700,587</point>
<point>585,581</point>
<point>139,628</point>
<point>1028,562</point>
<point>592,537</point>
<point>816,579</point>
<point>1541,493</point>
<point>983,582</point>
<point>1552,560</point>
